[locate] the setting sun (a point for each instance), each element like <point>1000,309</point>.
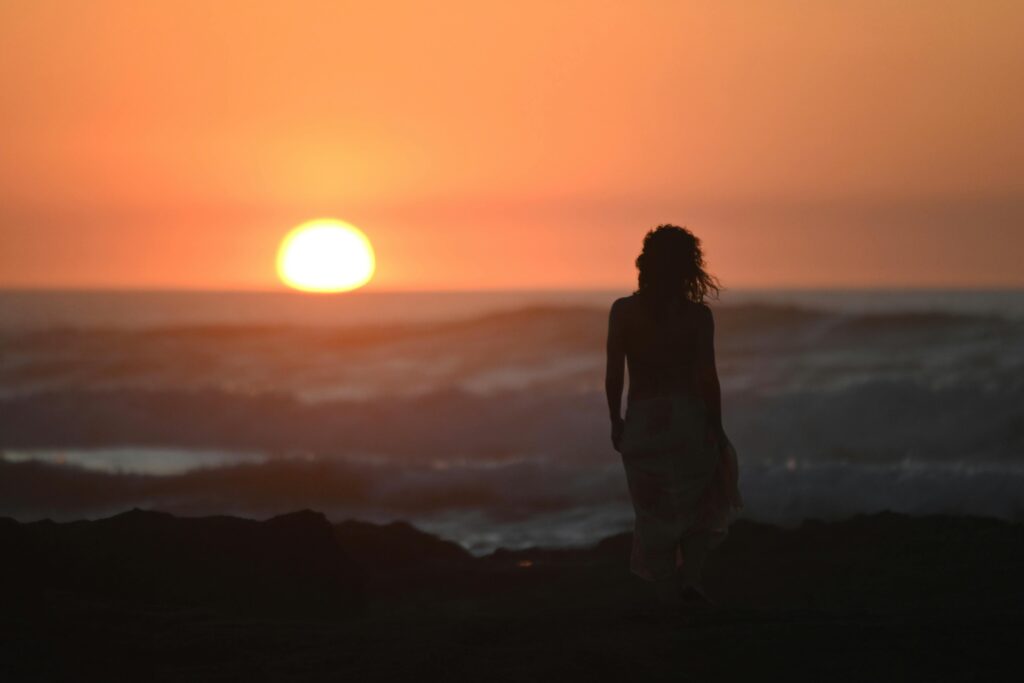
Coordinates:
<point>325,255</point>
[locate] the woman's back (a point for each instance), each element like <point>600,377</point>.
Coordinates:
<point>665,344</point>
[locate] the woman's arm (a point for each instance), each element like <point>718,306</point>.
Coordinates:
<point>614,375</point>
<point>707,375</point>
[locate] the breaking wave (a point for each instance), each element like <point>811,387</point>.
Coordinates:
<point>500,416</point>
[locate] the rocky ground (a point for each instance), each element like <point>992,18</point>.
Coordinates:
<point>150,597</point>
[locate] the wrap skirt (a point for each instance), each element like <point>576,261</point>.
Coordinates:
<point>681,482</point>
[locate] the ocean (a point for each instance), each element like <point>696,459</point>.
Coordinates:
<point>481,415</point>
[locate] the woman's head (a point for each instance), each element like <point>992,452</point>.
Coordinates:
<point>672,263</point>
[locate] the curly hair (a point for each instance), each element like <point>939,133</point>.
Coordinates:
<point>672,263</point>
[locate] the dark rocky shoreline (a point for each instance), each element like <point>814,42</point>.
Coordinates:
<point>149,596</point>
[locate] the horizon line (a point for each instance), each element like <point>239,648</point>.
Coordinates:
<point>923,288</point>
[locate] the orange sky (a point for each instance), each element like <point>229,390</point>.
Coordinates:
<point>481,145</point>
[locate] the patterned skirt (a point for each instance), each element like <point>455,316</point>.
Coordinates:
<point>680,482</point>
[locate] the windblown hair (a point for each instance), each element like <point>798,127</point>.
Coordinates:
<point>671,265</point>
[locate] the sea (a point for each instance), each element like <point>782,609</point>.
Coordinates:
<point>481,416</point>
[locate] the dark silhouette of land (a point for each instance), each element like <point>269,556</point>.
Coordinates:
<point>148,596</point>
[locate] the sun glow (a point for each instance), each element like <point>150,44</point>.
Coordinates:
<point>325,255</point>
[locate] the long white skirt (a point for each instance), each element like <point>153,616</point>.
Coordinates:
<point>681,483</point>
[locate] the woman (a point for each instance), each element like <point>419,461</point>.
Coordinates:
<point>680,467</point>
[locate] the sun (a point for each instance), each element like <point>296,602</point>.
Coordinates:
<point>325,255</point>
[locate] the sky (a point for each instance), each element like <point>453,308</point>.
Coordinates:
<point>512,145</point>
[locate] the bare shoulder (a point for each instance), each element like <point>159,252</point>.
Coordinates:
<point>703,314</point>
<point>619,315</point>
<point>622,305</point>
<point>707,318</point>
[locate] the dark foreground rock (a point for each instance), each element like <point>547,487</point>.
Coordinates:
<point>878,598</point>
<point>287,566</point>
<point>398,546</point>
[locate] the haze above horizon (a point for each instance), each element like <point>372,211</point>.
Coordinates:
<point>526,146</point>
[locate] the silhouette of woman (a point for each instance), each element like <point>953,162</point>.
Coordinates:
<point>680,468</point>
